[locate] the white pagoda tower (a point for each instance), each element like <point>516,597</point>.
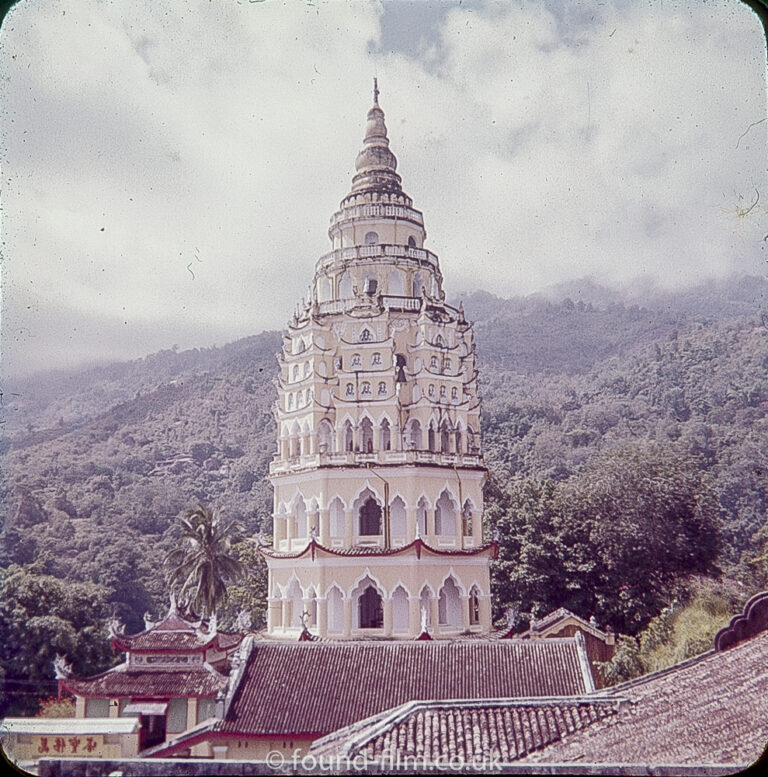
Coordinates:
<point>378,477</point>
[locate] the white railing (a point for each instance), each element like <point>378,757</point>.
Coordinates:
<point>373,211</point>
<point>384,249</point>
<point>358,458</point>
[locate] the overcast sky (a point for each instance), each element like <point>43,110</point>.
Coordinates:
<point>169,168</point>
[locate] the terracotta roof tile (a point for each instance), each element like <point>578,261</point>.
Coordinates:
<point>119,682</point>
<point>318,687</point>
<point>507,729</point>
<point>711,709</point>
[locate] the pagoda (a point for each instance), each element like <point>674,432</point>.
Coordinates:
<point>378,475</point>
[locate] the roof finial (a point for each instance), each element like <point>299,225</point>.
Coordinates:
<point>375,90</point>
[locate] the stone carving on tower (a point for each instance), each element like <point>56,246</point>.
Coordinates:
<point>378,476</point>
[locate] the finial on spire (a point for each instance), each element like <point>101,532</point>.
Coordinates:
<point>375,90</point>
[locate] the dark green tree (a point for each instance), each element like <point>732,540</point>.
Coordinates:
<point>40,617</point>
<point>613,541</point>
<point>202,564</point>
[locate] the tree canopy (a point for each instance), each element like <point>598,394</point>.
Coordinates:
<point>42,617</point>
<point>202,564</point>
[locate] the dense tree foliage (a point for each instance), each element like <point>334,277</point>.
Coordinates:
<point>611,541</point>
<point>42,617</point>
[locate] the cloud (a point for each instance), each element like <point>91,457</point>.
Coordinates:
<point>169,171</point>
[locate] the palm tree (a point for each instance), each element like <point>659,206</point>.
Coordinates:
<point>202,564</point>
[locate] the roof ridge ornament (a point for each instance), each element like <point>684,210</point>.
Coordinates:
<point>375,90</point>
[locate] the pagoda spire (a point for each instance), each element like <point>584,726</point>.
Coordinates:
<point>376,165</point>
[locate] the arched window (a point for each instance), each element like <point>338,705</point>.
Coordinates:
<point>421,517</point>
<point>335,611</point>
<point>397,517</point>
<point>300,519</point>
<point>366,336</point>
<point>370,518</point>
<point>474,607</point>
<point>443,396</point>
<point>366,430</point>
<point>411,241</point>
<point>325,436</point>
<point>323,289</point>
<point>371,238</point>
<point>434,363</point>
<point>396,285</point>
<point>449,604</point>
<point>447,366</point>
<point>295,372</point>
<point>306,369</point>
<point>382,390</point>
<point>356,362</point>
<point>458,440</point>
<point>424,605</point>
<point>370,609</point>
<point>349,391</point>
<point>349,438</point>
<point>400,613</point>
<point>439,341</point>
<point>386,441</point>
<point>445,438</point>
<point>466,519</point>
<point>290,402</point>
<point>414,436</point>
<point>445,516</point>
<point>376,360</point>
<point>431,437</point>
<point>418,285</point>
<point>296,599</point>
<point>431,391</point>
<point>455,394</point>
<point>365,390</point>
<point>472,441</point>
<point>336,515</point>
<point>345,286</point>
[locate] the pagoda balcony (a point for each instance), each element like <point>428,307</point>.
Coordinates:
<point>360,459</point>
<point>388,302</point>
<point>377,211</point>
<point>339,255</point>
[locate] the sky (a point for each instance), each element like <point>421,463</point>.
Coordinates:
<point>169,168</point>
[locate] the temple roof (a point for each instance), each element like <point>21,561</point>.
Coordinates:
<point>710,709</point>
<point>174,633</point>
<point>121,682</point>
<point>317,687</point>
<point>511,728</point>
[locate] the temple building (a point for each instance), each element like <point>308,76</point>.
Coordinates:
<point>169,681</point>
<point>378,477</point>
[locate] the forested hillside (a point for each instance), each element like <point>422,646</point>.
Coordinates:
<point>98,463</point>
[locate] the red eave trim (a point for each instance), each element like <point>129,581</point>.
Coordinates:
<point>418,545</point>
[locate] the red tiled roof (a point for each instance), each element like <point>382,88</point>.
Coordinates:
<point>175,633</point>
<point>418,545</point>
<point>119,682</point>
<point>318,687</point>
<point>712,709</point>
<point>470,730</point>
